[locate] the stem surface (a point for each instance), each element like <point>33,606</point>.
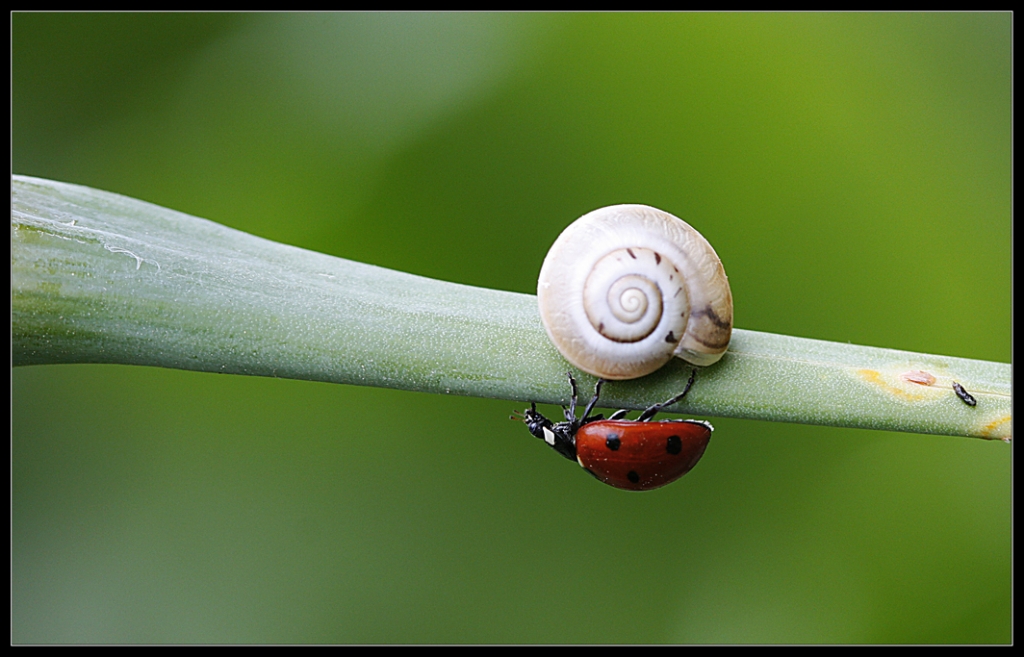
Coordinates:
<point>101,278</point>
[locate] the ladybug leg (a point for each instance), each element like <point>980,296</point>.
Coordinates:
<point>656,408</point>
<point>593,401</point>
<point>570,415</point>
<point>618,415</point>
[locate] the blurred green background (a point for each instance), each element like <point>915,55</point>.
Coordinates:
<point>852,171</point>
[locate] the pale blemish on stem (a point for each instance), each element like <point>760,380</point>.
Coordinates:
<point>919,377</point>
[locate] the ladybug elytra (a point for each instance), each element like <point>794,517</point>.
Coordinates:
<point>628,454</point>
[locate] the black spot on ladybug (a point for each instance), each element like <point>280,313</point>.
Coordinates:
<point>631,254</point>
<point>964,396</point>
<point>674,445</point>
<point>657,258</point>
<point>633,476</point>
<point>612,442</point>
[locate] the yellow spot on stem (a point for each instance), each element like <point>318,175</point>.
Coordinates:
<point>998,429</point>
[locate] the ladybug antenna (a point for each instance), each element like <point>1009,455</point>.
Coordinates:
<point>521,416</point>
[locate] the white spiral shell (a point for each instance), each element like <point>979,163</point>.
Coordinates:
<point>627,287</point>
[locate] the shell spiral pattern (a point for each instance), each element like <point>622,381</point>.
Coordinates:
<point>627,287</point>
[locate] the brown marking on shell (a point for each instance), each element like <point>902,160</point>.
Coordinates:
<point>717,331</point>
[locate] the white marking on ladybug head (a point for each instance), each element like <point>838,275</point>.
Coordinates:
<point>549,436</point>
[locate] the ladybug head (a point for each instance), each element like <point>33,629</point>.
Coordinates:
<point>534,421</point>
<point>561,436</point>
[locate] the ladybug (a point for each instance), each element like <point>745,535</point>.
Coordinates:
<point>627,454</point>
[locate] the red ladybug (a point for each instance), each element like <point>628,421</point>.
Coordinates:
<point>628,454</point>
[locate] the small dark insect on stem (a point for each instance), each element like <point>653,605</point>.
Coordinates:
<point>964,396</point>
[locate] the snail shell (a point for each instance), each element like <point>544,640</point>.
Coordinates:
<point>627,287</point>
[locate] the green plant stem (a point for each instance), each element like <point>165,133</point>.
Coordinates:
<point>101,278</point>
